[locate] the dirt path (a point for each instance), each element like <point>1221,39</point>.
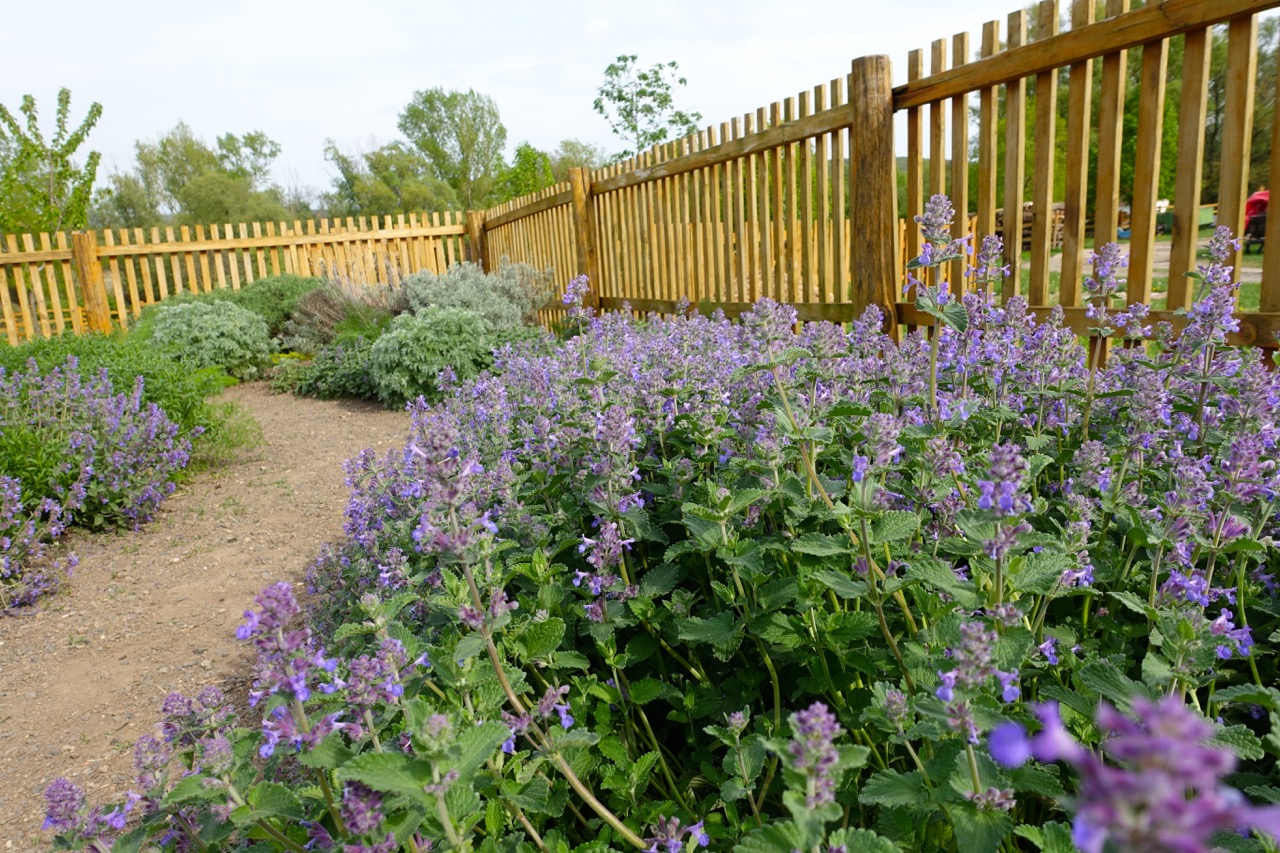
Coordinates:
<point>156,610</point>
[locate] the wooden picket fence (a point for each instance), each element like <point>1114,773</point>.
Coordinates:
<point>797,201</point>
<point>92,281</point>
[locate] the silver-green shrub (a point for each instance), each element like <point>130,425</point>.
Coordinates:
<point>501,300</point>
<point>406,360</point>
<point>214,334</point>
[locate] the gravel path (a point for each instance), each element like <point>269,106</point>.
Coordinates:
<point>148,612</point>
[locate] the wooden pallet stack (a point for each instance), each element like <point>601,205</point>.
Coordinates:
<point>1057,214</point>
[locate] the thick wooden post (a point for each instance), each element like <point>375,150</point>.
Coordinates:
<point>84,255</point>
<point>873,211</point>
<point>475,238</point>
<point>584,229</point>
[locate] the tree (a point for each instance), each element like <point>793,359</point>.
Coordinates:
<point>530,171</point>
<point>638,104</point>
<point>462,137</point>
<point>575,154</point>
<point>392,179</point>
<point>41,187</point>
<point>179,177</point>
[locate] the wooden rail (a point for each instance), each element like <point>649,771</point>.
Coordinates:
<point>90,281</point>
<point>797,201</point>
<point>788,202</point>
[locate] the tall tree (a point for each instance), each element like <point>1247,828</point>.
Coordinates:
<point>462,137</point>
<point>575,154</point>
<point>179,177</point>
<point>639,106</point>
<point>392,179</point>
<point>530,171</point>
<point>41,186</point>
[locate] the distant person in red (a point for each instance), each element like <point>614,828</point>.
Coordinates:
<point>1255,204</point>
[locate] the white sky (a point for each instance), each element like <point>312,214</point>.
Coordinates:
<point>304,71</point>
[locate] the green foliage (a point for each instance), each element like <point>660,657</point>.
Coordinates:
<point>342,311</point>
<point>393,179</point>
<point>179,391</point>
<point>275,298</point>
<point>462,137</point>
<point>503,299</point>
<point>638,105</point>
<point>214,334</point>
<point>338,371</point>
<point>41,187</point>
<point>180,177</point>
<point>408,357</point>
<point>575,154</point>
<point>530,171</point>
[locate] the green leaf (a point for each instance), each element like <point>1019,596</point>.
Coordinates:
<point>469,646</point>
<point>822,545</point>
<point>861,841</point>
<point>773,838</point>
<point>955,316</point>
<point>192,789</point>
<point>892,789</point>
<point>1242,742</point>
<point>1049,838</point>
<point>271,799</point>
<point>353,629</point>
<point>1267,697</point>
<point>329,754</point>
<point>717,630</point>
<point>978,830</point>
<point>1106,680</point>
<point>390,772</point>
<point>533,796</point>
<point>648,689</point>
<point>1038,573</point>
<point>894,526</point>
<point>1134,603</point>
<point>659,580</point>
<point>477,744</point>
<point>570,660</point>
<point>540,639</point>
<point>938,575</point>
<point>842,585</point>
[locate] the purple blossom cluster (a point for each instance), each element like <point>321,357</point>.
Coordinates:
<point>90,456</point>
<point>813,752</point>
<point>1165,792</point>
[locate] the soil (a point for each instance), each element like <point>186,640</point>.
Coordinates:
<point>151,611</point>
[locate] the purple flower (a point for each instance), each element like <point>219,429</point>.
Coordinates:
<point>813,751</point>
<point>64,802</point>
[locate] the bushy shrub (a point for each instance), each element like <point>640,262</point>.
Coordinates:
<point>337,371</point>
<point>75,451</point>
<point>342,310</point>
<point>503,299</point>
<point>214,334</point>
<point>808,594</point>
<point>275,298</point>
<point>407,360</point>
<point>176,389</point>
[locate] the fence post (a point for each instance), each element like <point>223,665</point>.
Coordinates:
<point>873,197</point>
<point>84,255</point>
<point>584,221</point>
<point>475,236</point>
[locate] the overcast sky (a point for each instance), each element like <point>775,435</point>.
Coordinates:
<point>305,71</point>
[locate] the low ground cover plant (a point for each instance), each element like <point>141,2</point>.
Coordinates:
<point>819,591</point>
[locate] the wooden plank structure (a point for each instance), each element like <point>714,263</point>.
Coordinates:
<point>768,205</point>
<point>796,201</point>
<point>90,281</point>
